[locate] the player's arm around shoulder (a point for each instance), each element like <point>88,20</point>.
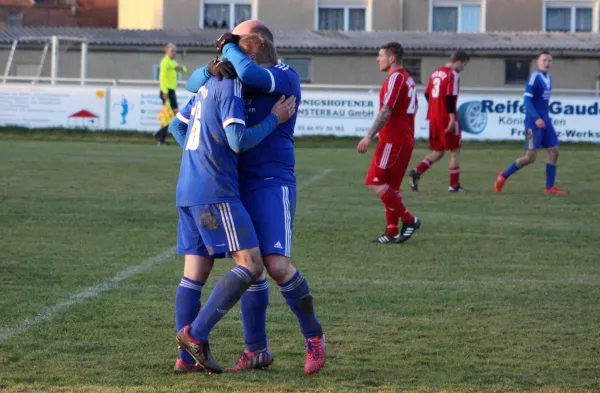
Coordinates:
<point>247,70</point>
<point>241,138</point>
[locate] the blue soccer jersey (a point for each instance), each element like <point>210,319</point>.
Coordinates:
<point>539,90</point>
<point>208,171</point>
<point>272,161</point>
<point>537,100</point>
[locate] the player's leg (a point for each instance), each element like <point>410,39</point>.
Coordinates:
<point>395,202</point>
<point>158,134</point>
<point>453,143</point>
<point>196,270</point>
<point>276,228</point>
<point>533,141</point>
<point>272,211</point>
<point>255,300</point>
<point>551,143</point>
<point>387,188</point>
<point>376,180</point>
<point>454,171</point>
<point>224,227</point>
<point>436,145</point>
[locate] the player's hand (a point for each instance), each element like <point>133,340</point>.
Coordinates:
<point>284,109</point>
<point>363,145</point>
<point>221,69</point>
<point>451,125</point>
<point>540,123</point>
<point>184,69</point>
<point>227,38</point>
<point>165,96</point>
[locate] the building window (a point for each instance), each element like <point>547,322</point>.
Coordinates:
<point>15,19</point>
<point>26,69</point>
<point>569,18</point>
<point>302,66</point>
<point>457,16</point>
<point>342,18</point>
<point>413,66</point>
<point>516,71</point>
<point>224,14</point>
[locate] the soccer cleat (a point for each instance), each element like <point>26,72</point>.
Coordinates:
<point>457,189</point>
<point>407,231</point>
<point>555,191</point>
<point>199,350</point>
<point>181,367</point>
<point>253,361</point>
<point>499,183</point>
<point>384,239</point>
<point>315,355</point>
<point>414,180</point>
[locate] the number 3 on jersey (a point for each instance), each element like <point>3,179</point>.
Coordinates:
<point>194,139</point>
<point>435,92</point>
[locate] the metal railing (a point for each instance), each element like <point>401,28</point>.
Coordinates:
<point>369,88</point>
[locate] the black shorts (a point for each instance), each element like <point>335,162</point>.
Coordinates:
<point>172,98</point>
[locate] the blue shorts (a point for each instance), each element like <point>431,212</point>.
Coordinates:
<point>212,230</point>
<point>272,211</point>
<point>536,138</point>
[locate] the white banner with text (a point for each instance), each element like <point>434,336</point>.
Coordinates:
<point>482,116</point>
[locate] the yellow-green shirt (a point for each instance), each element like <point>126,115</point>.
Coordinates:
<point>167,75</point>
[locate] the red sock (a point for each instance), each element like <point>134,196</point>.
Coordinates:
<point>423,166</point>
<point>392,222</point>
<point>393,202</point>
<point>454,177</point>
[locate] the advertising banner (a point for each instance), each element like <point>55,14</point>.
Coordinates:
<point>137,108</point>
<point>498,116</point>
<point>53,106</point>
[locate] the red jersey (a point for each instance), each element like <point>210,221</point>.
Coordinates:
<point>399,93</point>
<point>443,82</point>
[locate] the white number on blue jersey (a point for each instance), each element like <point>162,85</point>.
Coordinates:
<point>194,139</point>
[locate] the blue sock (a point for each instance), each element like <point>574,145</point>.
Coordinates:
<point>298,297</point>
<point>550,175</point>
<point>254,315</point>
<point>226,293</point>
<point>512,168</point>
<point>187,307</point>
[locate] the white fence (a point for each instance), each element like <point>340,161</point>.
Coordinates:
<point>485,113</point>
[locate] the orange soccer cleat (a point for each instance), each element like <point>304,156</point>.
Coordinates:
<point>499,183</point>
<point>253,361</point>
<point>555,191</point>
<point>199,350</point>
<point>315,355</point>
<point>181,367</point>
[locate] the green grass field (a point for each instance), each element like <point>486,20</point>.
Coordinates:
<point>496,293</point>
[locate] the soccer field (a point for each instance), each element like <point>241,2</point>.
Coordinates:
<point>495,293</point>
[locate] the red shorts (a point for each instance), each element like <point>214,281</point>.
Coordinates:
<point>439,140</point>
<point>388,165</point>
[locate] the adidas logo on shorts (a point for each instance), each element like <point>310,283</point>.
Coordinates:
<point>277,245</point>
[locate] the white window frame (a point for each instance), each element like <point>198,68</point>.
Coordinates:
<point>573,5</point>
<point>232,4</point>
<point>459,4</point>
<point>346,8</point>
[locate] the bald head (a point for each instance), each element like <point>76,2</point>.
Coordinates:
<point>253,26</point>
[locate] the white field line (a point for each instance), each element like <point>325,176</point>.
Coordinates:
<point>108,284</point>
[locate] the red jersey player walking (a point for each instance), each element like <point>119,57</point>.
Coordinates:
<point>395,124</point>
<point>444,129</point>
